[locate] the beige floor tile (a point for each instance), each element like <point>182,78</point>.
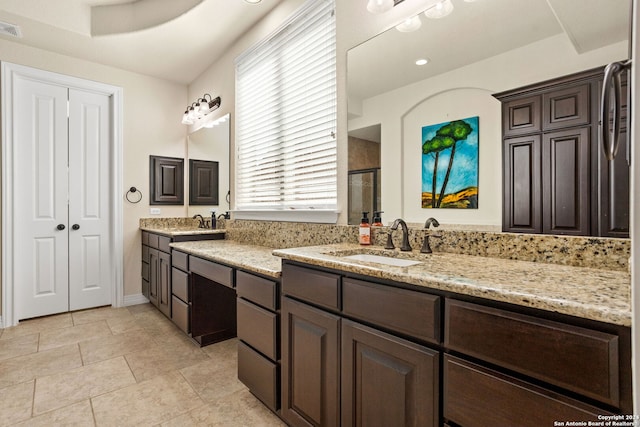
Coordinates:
<point>77,415</point>
<point>108,347</point>
<point>73,335</point>
<point>102,313</point>
<point>119,325</point>
<point>15,403</point>
<point>59,390</point>
<point>32,326</point>
<point>158,360</point>
<point>239,409</point>
<point>148,403</point>
<point>226,378</point>
<point>25,368</point>
<point>18,346</point>
<point>141,308</point>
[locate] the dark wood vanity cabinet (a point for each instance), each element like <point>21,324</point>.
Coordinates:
<point>258,312</point>
<point>556,179</point>
<point>359,352</point>
<point>342,363</point>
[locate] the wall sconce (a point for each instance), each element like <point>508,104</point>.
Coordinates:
<point>200,108</point>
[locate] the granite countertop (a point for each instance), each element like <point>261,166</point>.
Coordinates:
<point>258,259</point>
<point>597,294</point>
<point>179,230</point>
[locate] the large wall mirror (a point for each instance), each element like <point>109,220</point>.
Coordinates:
<point>481,48</point>
<point>208,160</point>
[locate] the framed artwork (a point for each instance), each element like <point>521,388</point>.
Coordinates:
<point>450,164</point>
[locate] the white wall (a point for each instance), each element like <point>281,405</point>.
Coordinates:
<point>152,113</point>
<point>461,93</point>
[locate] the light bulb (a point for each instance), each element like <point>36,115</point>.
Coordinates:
<point>409,24</point>
<point>379,6</point>
<point>440,10</point>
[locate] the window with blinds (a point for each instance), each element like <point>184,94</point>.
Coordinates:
<point>286,116</point>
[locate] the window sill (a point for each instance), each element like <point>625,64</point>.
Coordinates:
<point>312,215</point>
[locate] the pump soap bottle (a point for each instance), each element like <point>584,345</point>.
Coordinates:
<point>377,219</point>
<point>365,230</point>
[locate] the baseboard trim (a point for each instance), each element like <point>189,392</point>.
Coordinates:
<point>135,299</point>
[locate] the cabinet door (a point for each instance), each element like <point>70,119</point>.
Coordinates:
<point>521,116</point>
<point>154,276</point>
<point>567,107</point>
<point>522,182</point>
<point>310,365</point>
<point>164,283</point>
<point>387,381</point>
<point>565,184</point>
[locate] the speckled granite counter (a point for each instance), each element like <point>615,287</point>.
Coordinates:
<point>181,231</point>
<point>258,259</point>
<point>602,295</point>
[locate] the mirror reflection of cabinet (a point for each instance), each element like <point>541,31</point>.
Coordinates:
<point>207,150</point>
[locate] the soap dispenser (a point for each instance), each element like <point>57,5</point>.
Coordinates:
<point>213,220</point>
<point>377,219</point>
<point>364,236</point>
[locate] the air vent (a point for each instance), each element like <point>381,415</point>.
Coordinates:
<point>12,30</point>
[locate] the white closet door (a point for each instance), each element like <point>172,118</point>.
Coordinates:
<point>40,198</point>
<point>90,278</point>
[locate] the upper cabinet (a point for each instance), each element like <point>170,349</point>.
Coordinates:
<point>556,179</point>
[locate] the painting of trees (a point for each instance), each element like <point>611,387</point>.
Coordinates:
<point>455,144</point>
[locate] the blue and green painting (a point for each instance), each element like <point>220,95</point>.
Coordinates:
<point>450,164</point>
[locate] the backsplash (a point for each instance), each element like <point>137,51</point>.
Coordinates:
<point>595,252</point>
<point>592,252</point>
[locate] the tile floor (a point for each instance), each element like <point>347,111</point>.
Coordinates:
<point>120,367</point>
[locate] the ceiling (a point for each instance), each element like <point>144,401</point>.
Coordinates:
<point>478,30</point>
<point>169,39</point>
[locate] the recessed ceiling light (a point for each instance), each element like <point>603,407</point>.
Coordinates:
<point>422,61</point>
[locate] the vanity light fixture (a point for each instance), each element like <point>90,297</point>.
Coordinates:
<point>409,24</point>
<point>380,6</point>
<point>200,108</point>
<point>422,61</point>
<point>252,1</point>
<point>439,10</point>
<point>217,121</point>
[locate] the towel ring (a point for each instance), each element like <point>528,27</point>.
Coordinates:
<point>133,190</point>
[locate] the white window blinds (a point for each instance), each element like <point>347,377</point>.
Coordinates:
<point>286,116</point>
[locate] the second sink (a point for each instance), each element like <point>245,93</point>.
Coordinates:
<point>396,262</point>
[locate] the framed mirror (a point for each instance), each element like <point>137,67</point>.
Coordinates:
<point>483,47</point>
<point>208,160</point>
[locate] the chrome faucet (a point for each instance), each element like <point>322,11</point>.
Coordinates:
<point>426,247</point>
<point>201,225</point>
<point>405,235</point>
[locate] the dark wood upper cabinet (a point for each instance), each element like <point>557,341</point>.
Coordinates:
<point>166,176</point>
<point>556,179</point>
<point>203,182</point>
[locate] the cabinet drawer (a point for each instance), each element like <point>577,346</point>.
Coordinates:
<point>153,240</point>
<point>258,290</point>
<point>260,375</point>
<point>145,271</point>
<point>145,254</point>
<point>578,359</point>
<point>566,107</point>
<point>180,314</point>
<point>145,238</point>
<point>311,285</point>
<point>163,244</point>
<point>478,397</point>
<point>521,116</point>
<point>180,284</point>
<point>212,271</point>
<point>408,312</point>
<point>258,328</point>
<point>180,260</point>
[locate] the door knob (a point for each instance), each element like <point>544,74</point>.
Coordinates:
<point>60,227</point>
<point>75,226</point>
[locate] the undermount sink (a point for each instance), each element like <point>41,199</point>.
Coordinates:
<point>396,262</point>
